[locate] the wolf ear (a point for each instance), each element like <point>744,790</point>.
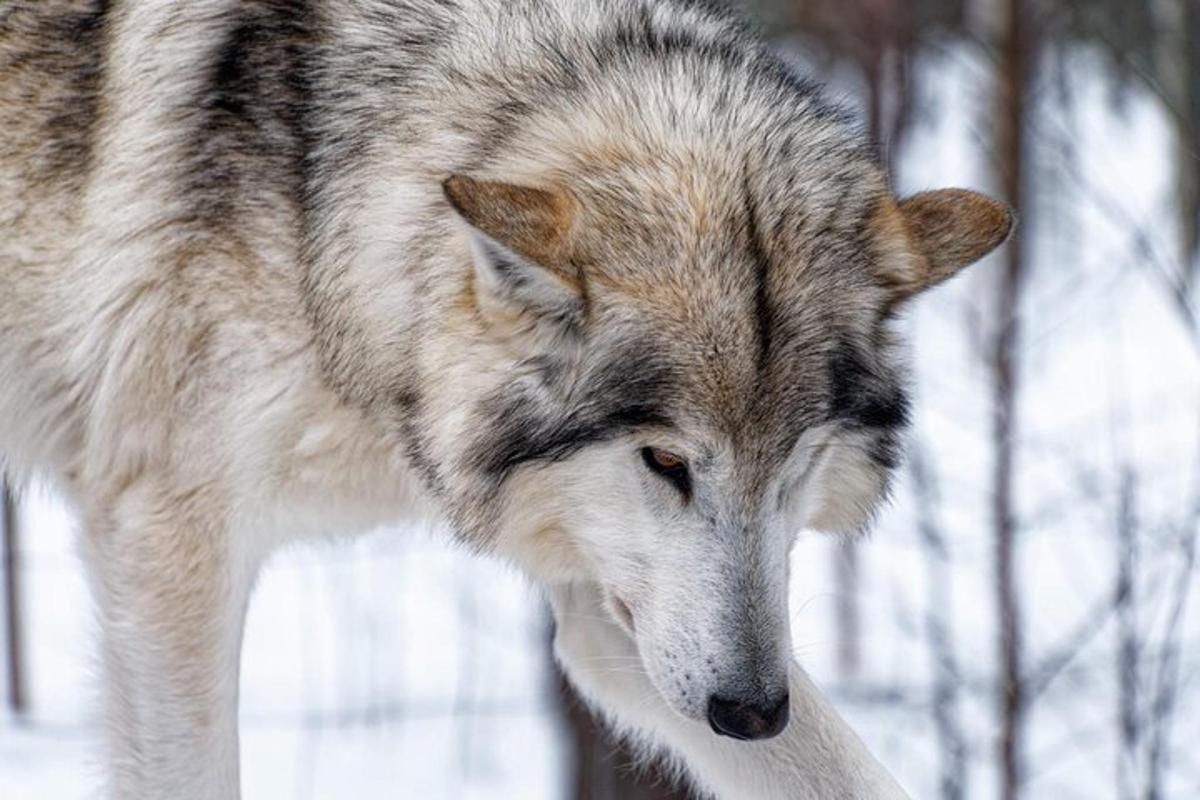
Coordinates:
<point>930,236</point>
<point>521,240</point>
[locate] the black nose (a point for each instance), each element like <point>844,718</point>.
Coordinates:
<point>743,720</point>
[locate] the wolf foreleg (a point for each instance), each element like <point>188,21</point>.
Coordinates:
<point>817,757</point>
<point>171,594</point>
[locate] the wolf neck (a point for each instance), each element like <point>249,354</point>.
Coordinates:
<point>817,757</point>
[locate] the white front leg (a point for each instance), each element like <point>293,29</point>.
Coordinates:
<point>817,756</point>
<point>172,592</point>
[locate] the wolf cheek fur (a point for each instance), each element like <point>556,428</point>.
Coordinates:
<point>270,269</point>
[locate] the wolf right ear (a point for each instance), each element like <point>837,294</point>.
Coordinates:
<point>521,241</point>
<point>931,236</point>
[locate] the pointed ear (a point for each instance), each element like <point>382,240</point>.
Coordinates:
<point>931,236</point>
<point>521,241</point>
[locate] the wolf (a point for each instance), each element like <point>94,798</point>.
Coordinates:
<point>602,287</point>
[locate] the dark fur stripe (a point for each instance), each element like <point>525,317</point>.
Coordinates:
<point>70,47</point>
<point>411,408</point>
<point>860,395</point>
<point>615,398</point>
<point>763,314</point>
<point>256,103</point>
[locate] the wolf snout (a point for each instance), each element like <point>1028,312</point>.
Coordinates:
<point>748,720</point>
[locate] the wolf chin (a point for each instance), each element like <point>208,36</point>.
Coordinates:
<point>601,286</point>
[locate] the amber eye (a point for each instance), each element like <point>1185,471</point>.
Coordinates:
<point>664,460</point>
<point>669,466</point>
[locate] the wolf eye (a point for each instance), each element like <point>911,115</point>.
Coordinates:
<point>669,466</point>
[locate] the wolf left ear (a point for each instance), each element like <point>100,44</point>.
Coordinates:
<point>931,236</point>
<point>521,241</point>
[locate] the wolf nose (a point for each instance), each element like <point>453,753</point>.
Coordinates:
<point>746,721</point>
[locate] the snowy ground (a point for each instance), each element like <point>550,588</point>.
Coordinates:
<point>391,667</point>
<point>386,667</point>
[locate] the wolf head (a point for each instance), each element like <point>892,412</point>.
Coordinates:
<point>645,338</point>
<point>699,368</point>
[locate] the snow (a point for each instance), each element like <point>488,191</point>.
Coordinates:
<point>389,666</point>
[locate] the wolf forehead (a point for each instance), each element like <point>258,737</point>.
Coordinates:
<point>738,300</point>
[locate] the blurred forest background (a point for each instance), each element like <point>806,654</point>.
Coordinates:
<point>1024,621</point>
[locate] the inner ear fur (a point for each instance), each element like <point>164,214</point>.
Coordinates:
<point>931,236</point>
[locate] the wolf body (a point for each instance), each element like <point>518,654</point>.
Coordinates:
<point>599,285</point>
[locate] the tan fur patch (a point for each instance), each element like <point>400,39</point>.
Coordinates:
<point>536,223</point>
<point>931,236</point>
<point>954,228</point>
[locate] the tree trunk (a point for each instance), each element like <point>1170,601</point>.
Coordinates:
<point>1016,54</point>
<point>939,632</point>
<point>1177,63</point>
<point>1125,600</point>
<point>1178,68</point>
<point>10,574</point>
<point>1189,160</point>
<point>603,768</point>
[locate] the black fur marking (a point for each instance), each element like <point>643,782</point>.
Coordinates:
<point>861,395</point>
<point>642,36</point>
<point>253,142</point>
<point>631,43</point>
<point>885,450</point>
<point>637,38</point>
<point>72,47</point>
<point>519,428</point>
<point>410,404</point>
<point>764,315</point>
